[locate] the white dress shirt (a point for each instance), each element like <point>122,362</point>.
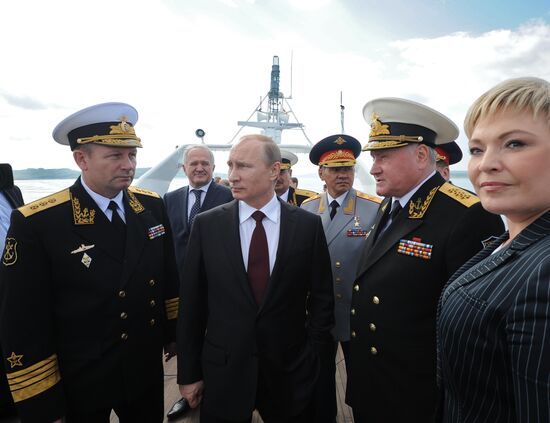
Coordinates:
<point>271,223</point>
<point>191,196</point>
<point>103,202</point>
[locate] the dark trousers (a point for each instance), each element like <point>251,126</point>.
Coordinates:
<point>324,408</point>
<point>148,408</point>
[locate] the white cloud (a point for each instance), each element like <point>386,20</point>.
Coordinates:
<point>189,68</point>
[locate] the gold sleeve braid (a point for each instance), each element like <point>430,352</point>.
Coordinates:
<point>35,379</point>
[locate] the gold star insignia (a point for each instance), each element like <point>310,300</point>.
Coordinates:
<point>15,359</point>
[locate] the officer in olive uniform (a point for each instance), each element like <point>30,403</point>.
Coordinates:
<point>89,285</point>
<point>282,187</point>
<point>347,215</point>
<point>447,154</point>
<point>424,231</point>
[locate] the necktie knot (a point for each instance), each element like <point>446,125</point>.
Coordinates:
<point>258,216</point>
<point>333,208</point>
<point>396,208</point>
<point>113,207</point>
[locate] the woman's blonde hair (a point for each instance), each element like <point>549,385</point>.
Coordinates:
<point>530,94</point>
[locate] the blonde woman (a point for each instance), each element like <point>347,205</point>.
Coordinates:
<point>494,324</point>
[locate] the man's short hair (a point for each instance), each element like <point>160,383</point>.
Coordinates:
<point>200,147</point>
<point>271,150</point>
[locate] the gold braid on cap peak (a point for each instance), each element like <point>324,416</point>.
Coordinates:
<point>337,158</point>
<point>120,134</point>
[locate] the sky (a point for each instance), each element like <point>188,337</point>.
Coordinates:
<point>188,64</point>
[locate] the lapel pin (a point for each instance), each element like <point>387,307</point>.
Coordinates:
<point>82,248</point>
<point>86,260</point>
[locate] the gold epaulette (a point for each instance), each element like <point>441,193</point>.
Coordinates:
<point>315,197</point>
<point>459,194</point>
<point>138,190</point>
<point>305,192</point>
<point>369,197</point>
<point>45,203</point>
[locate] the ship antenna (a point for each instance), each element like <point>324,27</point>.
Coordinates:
<point>342,108</point>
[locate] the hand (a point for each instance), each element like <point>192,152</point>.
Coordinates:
<point>58,421</point>
<point>169,351</point>
<point>192,393</point>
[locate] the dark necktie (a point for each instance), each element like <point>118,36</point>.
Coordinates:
<point>119,227</point>
<point>258,259</point>
<point>333,207</point>
<point>196,206</point>
<point>388,218</point>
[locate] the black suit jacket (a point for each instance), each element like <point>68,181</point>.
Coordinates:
<point>494,343</point>
<point>228,341</point>
<point>391,376</point>
<point>79,323</point>
<point>176,207</point>
<point>15,198</point>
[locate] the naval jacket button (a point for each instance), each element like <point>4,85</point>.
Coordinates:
<point>124,336</point>
<point>152,322</point>
<point>356,288</point>
<point>338,264</point>
<point>123,315</point>
<point>373,350</point>
<point>152,282</point>
<point>375,300</point>
<point>353,334</point>
<point>152,303</point>
<point>122,294</point>
<point>372,327</point>
<point>353,312</point>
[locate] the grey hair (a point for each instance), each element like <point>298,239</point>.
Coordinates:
<point>199,147</point>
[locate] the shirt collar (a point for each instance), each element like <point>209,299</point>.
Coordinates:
<point>339,200</point>
<point>284,196</point>
<point>405,199</point>
<point>103,202</point>
<point>203,188</point>
<point>271,210</point>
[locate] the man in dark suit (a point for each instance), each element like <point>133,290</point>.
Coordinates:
<point>283,187</point>
<point>425,229</point>
<point>182,206</point>
<point>10,198</point>
<point>256,300</point>
<point>89,283</point>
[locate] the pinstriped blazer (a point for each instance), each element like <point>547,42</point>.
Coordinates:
<point>494,333</point>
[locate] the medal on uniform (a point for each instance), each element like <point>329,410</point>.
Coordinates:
<point>156,231</point>
<point>415,248</point>
<point>86,260</point>
<point>356,231</point>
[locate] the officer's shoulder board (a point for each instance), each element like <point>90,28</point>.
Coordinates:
<point>305,192</point>
<point>464,197</point>
<point>369,197</point>
<point>315,197</point>
<point>142,191</point>
<point>45,203</point>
